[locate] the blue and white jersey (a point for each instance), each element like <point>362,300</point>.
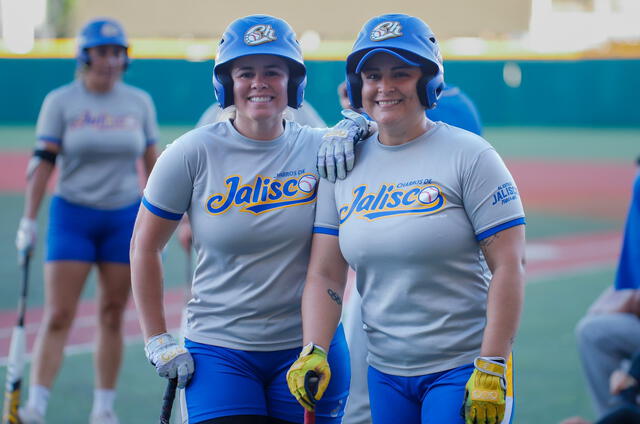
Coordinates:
<point>101,136</point>
<point>409,220</point>
<point>251,205</point>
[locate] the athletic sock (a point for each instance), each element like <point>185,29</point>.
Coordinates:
<point>38,398</point>
<point>103,400</point>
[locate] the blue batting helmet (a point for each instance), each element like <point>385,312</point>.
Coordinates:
<point>409,39</point>
<point>100,32</point>
<point>259,34</point>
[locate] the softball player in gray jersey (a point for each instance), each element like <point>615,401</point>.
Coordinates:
<point>249,188</point>
<point>99,128</point>
<point>432,223</point>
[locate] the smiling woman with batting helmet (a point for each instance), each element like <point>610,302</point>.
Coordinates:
<point>248,185</point>
<point>97,128</point>
<point>433,225</point>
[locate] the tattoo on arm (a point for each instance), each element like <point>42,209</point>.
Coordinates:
<point>487,242</point>
<point>335,296</point>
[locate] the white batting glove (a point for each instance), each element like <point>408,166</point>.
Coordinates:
<point>26,238</point>
<point>336,154</point>
<point>170,359</point>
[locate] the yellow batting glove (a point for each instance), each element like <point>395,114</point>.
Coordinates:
<point>484,401</point>
<point>311,362</point>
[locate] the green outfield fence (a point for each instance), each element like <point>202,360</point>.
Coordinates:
<point>584,93</point>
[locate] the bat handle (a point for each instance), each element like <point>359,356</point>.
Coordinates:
<point>167,400</point>
<point>309,417</point>
<point>311,381</point>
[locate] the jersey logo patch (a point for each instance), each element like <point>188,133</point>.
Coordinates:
<point>386,30</point>
<point>105,121</point>
<point>264,194</point>
<point>504,194</point>
<point>389,200</point>
<point>259,34</point>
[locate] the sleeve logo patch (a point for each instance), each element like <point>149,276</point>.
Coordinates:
<point>504,194</point>
<point>259,34</point>
<point>386,30</point>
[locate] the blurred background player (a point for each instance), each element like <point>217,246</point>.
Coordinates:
<point>609,335</point>
<point>454,107</point>
<point>98,128</point>
<point>248,185</point>
<point>431,222</point>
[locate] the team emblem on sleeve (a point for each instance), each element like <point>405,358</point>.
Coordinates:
<point>386,30</point>
<point>259,34</point>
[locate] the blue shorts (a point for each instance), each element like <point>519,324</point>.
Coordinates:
<point>230,382</point>
<point>427,399</point>
<point>81,233</point>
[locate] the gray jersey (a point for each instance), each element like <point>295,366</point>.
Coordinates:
<point>305,115</point>
<point>409,219</point>
<point>101,137</point>
<point>251,205</point>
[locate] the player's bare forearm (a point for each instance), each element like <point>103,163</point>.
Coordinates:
<point>505,257</point>
<point>323,292</point>
<point>36,187</point>
<point>504,307</point>
<point>149,159</point>
<point>150,235</point>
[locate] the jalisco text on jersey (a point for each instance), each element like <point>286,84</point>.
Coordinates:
<point>104,121</point>
<point>262,195</point>
<point>505,193</point>
<point>391,201</point>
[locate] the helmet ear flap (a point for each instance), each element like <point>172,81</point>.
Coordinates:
<point>297,84</point>
<point>429,89</point>
<point>223,85</point>
<point>354,89</point>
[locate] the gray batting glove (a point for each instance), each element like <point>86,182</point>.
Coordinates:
<point>26,238</point>
<point>170,359</point>
<point>336,155</point>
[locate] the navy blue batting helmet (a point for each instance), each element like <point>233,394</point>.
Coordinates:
<point>259,34</point>
<point>409,39</point>
<point>100,32</point>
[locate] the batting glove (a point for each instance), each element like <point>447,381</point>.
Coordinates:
<point>170,359</point>
<point>26,238</point>
<point>311,362</point>
<point>336,154</point>
<point>484,400</point>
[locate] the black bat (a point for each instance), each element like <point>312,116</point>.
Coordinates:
<point>311,386</point>
<point>167,401</point>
